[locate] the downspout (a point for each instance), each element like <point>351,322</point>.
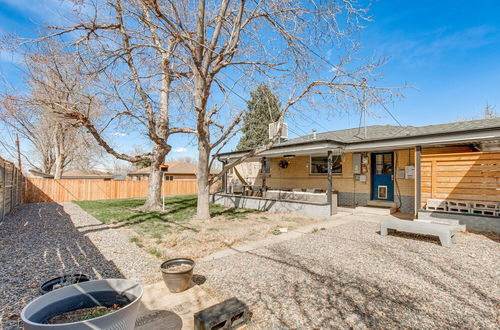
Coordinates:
<point>330,183</point>
<point>418,179</point>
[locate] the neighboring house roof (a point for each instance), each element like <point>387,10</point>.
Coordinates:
<point>76,174</point>
<point>174,168</point>
<point>388,135</point>
<point>41,174</point>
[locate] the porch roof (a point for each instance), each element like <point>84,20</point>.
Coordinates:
<point>380,137</point>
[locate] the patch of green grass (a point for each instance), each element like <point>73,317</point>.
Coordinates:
<point>137,241</point>
<point>156,224</point>
<point>276,232</point>
<point>214,229</point>
<point>155,252</point>
<point>264,218</point>
<point>134,239</point>
<point>315,230</point>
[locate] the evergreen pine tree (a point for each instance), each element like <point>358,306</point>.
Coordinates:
<point>262,109</point>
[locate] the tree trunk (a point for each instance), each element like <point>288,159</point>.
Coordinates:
<point>58,167</point>
<point>203,130</point>
<point>58,145</point>
<point>153,199</point>
<point>203,211</point>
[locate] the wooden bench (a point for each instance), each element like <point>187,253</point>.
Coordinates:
<point>446,233</point>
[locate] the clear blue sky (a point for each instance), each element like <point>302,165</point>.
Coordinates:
<point>449,51</point>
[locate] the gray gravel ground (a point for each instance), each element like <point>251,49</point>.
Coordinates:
<point>45,240</point>
<point>351,277</point>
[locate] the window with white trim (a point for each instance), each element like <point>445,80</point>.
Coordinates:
<point>319,164</point>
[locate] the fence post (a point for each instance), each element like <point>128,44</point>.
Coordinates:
<point>15,187</point>
<point>12,188</point>
<point>2,174</point>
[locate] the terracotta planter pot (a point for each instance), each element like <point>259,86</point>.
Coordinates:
<point>177,280</point>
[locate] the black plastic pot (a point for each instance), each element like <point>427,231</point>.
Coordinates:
<point>63,281</point>
<point>177,281</point>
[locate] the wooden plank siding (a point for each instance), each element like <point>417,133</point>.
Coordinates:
<point>470,176</point>
<point>65,190</point>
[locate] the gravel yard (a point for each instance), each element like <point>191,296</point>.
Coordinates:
<point>351,277</point>
<point>45,240</point>
<point>347,276</point>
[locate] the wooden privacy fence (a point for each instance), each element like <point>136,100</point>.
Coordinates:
<point>65,190</point>
<point>472,176</point>
<point>11,187</point>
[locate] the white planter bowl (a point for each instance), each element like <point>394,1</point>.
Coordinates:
<point>82,295</point>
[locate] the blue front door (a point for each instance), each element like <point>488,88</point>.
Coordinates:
<point>382,176</point>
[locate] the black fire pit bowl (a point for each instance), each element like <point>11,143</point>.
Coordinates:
<point>62,281</point>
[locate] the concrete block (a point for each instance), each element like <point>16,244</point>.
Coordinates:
<point>458,209</point>
<point>229,314</point>
<point>486,205</point>
<point>487,212</point>
<point>459,204</point>
<point>436,205</point>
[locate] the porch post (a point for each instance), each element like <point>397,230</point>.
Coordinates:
<point>418,178</point>
<point>263,164</point>
<point>330,184</point>
<point>224,178</point>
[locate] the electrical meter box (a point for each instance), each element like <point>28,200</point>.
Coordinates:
<point>410,172</point>
<point>356,163</point>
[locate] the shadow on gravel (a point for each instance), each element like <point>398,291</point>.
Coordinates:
<point>38,242</point>
<point>335,300</point>
<point>397,287</point>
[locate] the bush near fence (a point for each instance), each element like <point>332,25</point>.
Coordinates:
<point>11,187</point>
<point>65,190</point>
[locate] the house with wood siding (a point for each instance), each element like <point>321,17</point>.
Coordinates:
<point>393,167</point>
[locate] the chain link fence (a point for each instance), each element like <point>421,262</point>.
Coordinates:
<point>11,187</point>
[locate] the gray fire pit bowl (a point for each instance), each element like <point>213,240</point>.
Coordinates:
<point>126,293</point>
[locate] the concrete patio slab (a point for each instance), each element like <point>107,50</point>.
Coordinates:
<point>161,309</point>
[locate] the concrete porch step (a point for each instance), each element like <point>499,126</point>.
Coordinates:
<point>376,203</point>
<point>376,210</point>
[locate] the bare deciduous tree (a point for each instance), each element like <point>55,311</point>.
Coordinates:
<point>204,53</point>
<point>52,82</point>
<point>138,70</point>
<point>275,41</point>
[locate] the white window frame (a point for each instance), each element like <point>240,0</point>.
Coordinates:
<point>333,173</point>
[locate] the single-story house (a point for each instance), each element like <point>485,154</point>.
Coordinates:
<point>400,168</point>
<point>172,171</point>
<point>76,174</point>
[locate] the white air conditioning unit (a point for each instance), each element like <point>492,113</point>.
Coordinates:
<point>273,129</point>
